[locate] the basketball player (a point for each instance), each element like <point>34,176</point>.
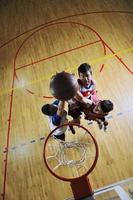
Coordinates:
<point>57,116</point>
<point>86,95</point>
<point>87,86</point>
<point>97,112</point>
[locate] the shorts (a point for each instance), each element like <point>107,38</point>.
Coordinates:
<point>60,137</point>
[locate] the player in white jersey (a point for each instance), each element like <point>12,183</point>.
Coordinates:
<point>87,85</point>
<point>57,116</point>
<point>87,93</point>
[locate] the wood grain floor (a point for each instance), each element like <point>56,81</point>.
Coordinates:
<point>38,39</point>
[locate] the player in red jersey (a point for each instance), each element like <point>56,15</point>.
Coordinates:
<point>98,112</point>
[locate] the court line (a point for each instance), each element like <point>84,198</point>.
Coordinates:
<point>63,52</point>
<point>11,106</point>
<point>67,22</point>
<point>101,68</point>
<point>8,131</point>
<point>8,134</point>
<point>18,146</point>
<point>66,17</point>
<point>119,59</point>
<point>80,24</point>
<point>44,78</point>
<point>60,23</point>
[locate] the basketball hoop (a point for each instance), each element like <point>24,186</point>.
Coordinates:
<point>73,159</point>
<point>60,155</point>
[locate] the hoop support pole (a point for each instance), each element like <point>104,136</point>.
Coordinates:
<point>81,188</point>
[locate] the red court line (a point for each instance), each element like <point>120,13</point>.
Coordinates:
<point>130,71</point>
<point>8,136</point>
<point>11,98</point>
<point>101,68</point>
<point>68,22</point>
<point>66,17</point>
<point>11,101</point>
<point>31,64</point>
<point>48,97</point>
<point>53,56</point>
<point>29,91</point>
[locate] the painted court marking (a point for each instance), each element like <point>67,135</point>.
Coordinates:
<point>97,60</point>
<point>43,137</point>
<point>13,81</point>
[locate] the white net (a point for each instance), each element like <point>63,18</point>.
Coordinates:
<point>74,156</point>
<point>61,155</point>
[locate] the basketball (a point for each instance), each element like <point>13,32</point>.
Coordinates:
<point>63,86</point>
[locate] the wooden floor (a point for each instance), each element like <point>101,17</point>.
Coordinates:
<point>38,39</point>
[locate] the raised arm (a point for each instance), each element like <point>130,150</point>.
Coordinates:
<point>61,106</point>
<point>79,97</point>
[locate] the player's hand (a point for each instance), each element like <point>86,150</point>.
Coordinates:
<point>88,105</point>
<point>89,102</point>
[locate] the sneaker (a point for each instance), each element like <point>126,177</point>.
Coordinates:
<point>105,125</point>
<point>100,125</point>
<point>105,128</point>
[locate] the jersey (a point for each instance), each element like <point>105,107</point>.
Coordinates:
<point>90,115</point>
<point>89,91</point>
<point>75,107</point>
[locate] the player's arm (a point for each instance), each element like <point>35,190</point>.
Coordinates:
<point>56,118</point>
<point>61,106</point>
<point>94,84</point>
<point>79,97</point>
